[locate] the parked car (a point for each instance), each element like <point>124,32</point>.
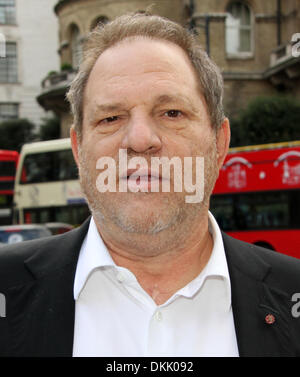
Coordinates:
<point>18,233</point>
<point>58,228</point>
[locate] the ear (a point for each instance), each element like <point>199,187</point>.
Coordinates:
<point>74,144</point>
<point>223,141</point>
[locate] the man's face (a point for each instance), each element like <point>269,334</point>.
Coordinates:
<point>142,95</point>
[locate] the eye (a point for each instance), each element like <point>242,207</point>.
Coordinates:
<point>173,113</point>
<point>111,119</point>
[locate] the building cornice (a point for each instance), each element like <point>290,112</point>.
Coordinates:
<point>61,4</point>
<point>220,16</point>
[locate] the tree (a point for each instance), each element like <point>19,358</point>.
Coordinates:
<point>14,133</point>
<point>267,119</point>
<point>50,129</point>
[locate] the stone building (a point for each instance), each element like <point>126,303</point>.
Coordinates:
<point>251,41</point>
<point>29,43</point>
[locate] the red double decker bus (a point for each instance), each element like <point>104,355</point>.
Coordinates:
<point>8,165</point>
<point>257,196</point>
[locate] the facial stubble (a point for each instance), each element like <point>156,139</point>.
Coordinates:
<point>136,214</point>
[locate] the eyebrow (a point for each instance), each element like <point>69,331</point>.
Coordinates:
<point>110,107</point>
<point>104,108</point>
<point>165,99</point>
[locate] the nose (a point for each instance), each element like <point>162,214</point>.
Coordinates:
<point>141,135</point>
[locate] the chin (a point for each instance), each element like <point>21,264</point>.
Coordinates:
<point>144,220</point>
<point>139,215</point>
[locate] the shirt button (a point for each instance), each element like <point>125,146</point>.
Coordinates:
<point>158,316</point>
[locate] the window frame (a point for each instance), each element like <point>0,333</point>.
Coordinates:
<point>17,106</point>
<point>5,7</point>
<point>8,65</point>
<point>241,54</point>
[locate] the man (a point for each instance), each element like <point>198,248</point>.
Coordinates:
<point>150,274</point>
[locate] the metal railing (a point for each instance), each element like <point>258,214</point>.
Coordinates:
<point>58,78</point>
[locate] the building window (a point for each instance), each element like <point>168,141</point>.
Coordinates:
<point>9,111</point>
<point>76,46</point>
<point>8,64</point>
<point>238,29</point>
<point>7,12</point>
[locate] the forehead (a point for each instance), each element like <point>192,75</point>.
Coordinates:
<point>141,58</point>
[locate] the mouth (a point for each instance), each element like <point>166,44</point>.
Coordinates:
<point>142,180</point>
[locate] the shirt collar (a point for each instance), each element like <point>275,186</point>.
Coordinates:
<point>215,267</point>
<point>94,254</point>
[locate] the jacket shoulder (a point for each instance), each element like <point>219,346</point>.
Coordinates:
<point>13,270</point>
<point>283,270</point>
<point>20,262</point>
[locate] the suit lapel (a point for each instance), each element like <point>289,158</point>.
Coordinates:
<point>42,311</point>
<point>260,312</point>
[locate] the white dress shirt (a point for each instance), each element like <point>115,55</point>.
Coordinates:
<point>115,317</point>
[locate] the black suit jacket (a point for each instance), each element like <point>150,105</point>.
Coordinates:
<point>36,279</point>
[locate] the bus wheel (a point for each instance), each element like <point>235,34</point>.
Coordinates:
<point>264,244</point>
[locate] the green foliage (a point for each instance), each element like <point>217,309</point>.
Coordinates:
<point>66,67</point>
<point>50,129</point>
<point>267,120</point>
<point>15,133</point>
<point>52,73</point>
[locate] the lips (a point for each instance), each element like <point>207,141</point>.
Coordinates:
<point>141,179</point>
<point>142,173</point>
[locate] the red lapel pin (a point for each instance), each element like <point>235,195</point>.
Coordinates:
<point>269,319</point>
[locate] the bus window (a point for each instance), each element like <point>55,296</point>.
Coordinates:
<point>294,209</point>
<point>253,211</point>
<point>49,167</point>
<point>8,168</point>
<point>75,214</point>
<point>66,165</point>
<point>222,208</point>
<point>38,168</point>
<point>266,210</point>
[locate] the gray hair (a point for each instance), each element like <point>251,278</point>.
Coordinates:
<point>107,35</point>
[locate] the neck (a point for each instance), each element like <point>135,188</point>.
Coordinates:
<point>161,265</point>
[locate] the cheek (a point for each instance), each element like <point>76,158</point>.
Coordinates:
<point>203,141</point>
<point>194,144</point>
<point>181,144</point>
<point>96,146</point>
